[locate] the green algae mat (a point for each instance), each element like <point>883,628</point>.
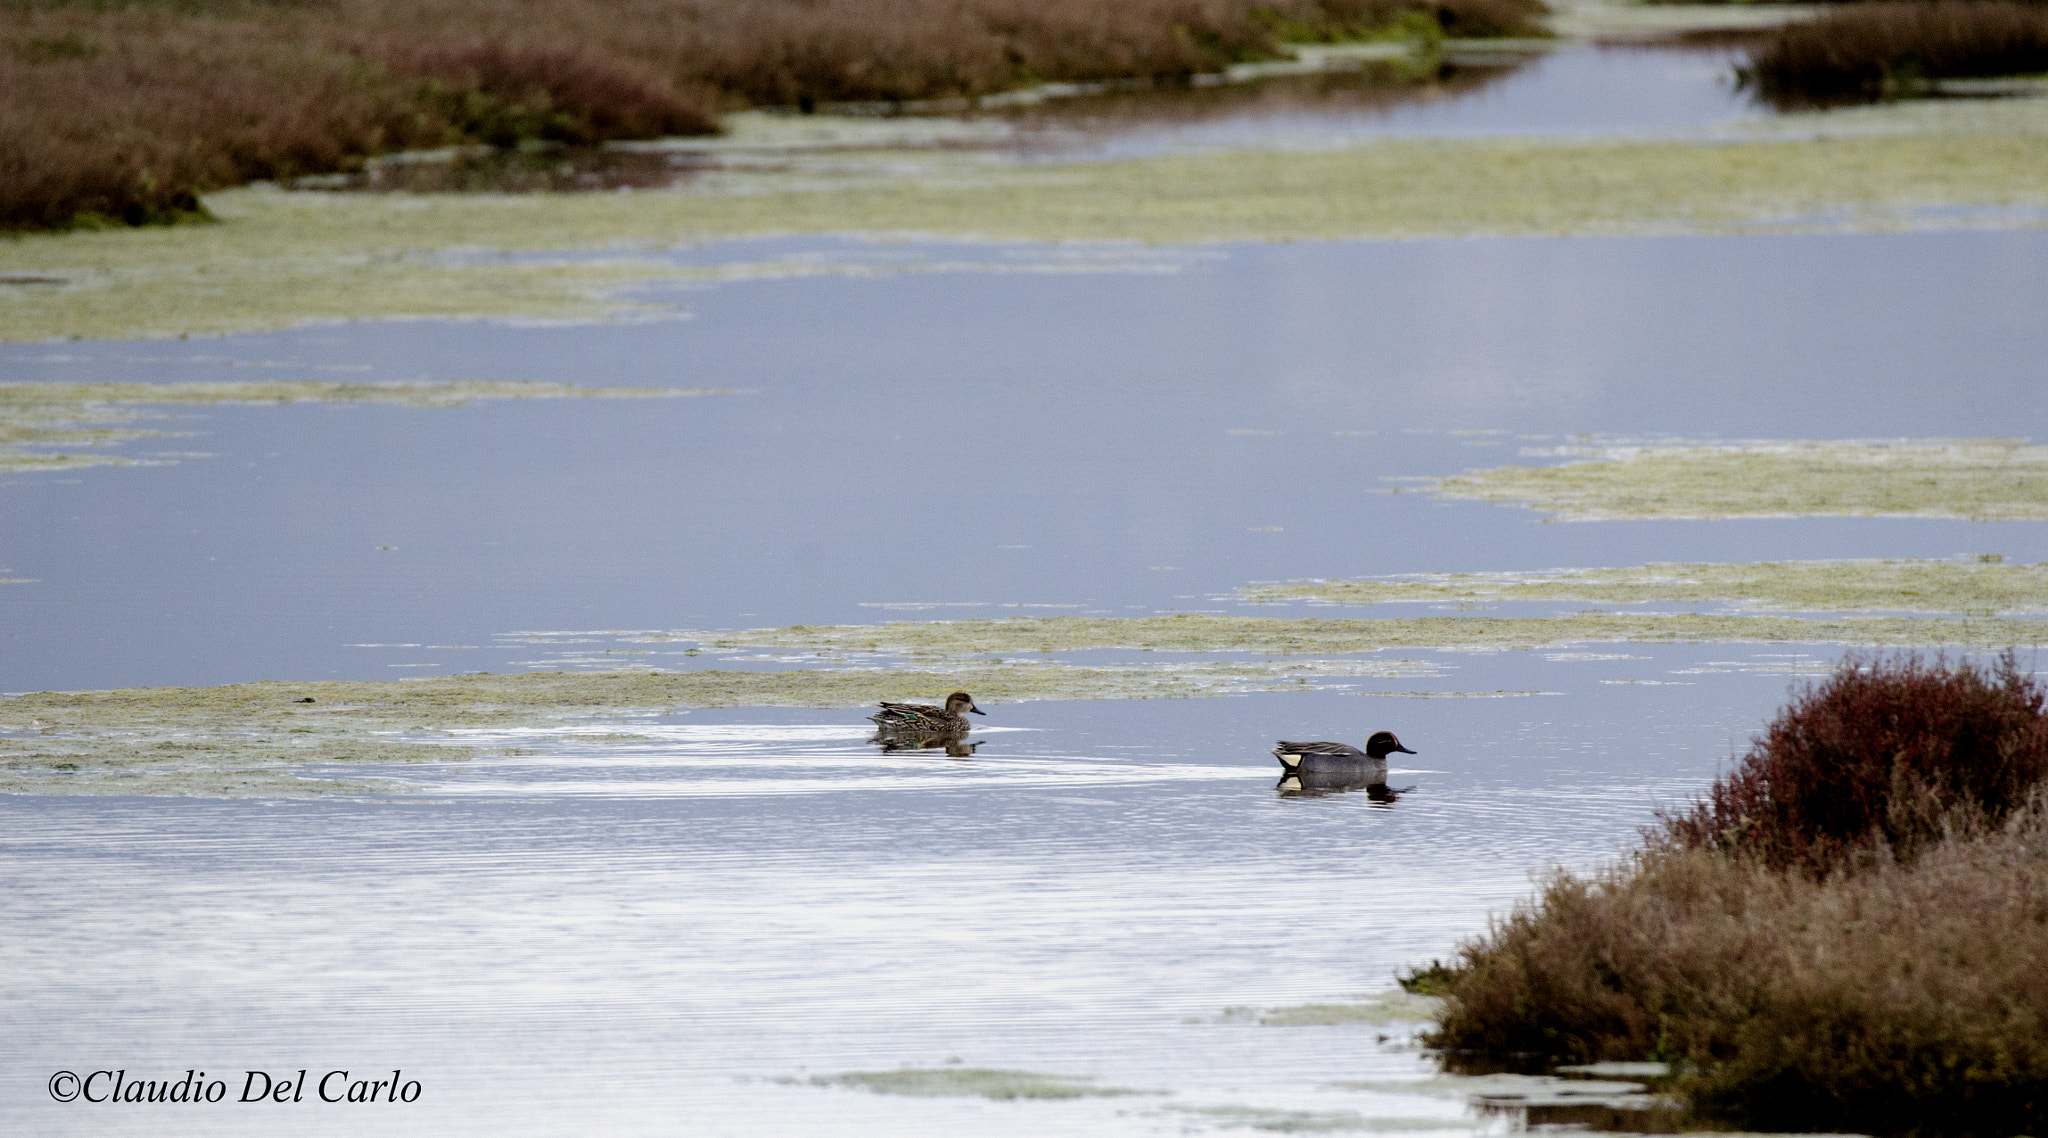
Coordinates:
<point>261,739</point>
<point>56,426</point>
<point>279,259</point>
<point>1979,480</point>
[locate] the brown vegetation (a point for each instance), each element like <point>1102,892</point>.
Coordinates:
<point>1884,754</point>
<point>127,111</point>
<point>1865,949</point>
<point>1876,51</point>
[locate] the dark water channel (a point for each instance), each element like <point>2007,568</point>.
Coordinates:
<point>675,933</point>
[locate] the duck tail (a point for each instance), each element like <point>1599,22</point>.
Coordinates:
<point>1290,761</point>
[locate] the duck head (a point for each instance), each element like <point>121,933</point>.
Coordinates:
<point>1383,744</point>
<point>960,701</point>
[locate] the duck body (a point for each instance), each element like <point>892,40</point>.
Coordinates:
<point>1340,760</point>
<point>925,718</point>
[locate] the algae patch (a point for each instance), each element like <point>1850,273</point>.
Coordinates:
<point>996,1083</point>
<point>279,259</point>
<point>1983,479</point>
<point>257,739</point>
<point>53,426</point>
<point>1379,1009</point>
<point>1278,1121</point>
<point>1981,586</point>
<point>260,738</point>
<point>1202,632</point>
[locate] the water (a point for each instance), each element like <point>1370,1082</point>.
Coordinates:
<point>645,938</point>
<point>1121,443</point>
<point>676,932</point>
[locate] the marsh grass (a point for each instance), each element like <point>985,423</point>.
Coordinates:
<point>1863,950</point>
<point>1867,52</point>
<point>124,113</point>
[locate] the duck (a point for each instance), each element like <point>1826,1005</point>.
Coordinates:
<point>1341,759</point>
<point>925,719</point>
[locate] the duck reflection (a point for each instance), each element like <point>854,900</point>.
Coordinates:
<point>1313,785</point>
<point>953,745</point>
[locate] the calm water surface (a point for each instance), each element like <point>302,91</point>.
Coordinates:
<point>658,935</point>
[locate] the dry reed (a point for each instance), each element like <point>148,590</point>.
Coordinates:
<point>127,111</point>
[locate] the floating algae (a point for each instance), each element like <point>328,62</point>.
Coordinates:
<point>280,259</point>
<point>35,417</point>
<point>1202,632</point>
<point>1982,586</point>
<point>1379,1009</point>
<point>244,740</point>
<point>974,1082</point>
<point>1278,1121</point>
<point>1985,479</point>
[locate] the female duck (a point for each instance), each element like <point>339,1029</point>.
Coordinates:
<point>924,719</point>
<point>1369,765</point>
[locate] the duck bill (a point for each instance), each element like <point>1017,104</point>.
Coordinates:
<point>976,710</point>
<point>1404,750</point>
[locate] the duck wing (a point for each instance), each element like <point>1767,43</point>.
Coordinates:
<point>1317,748</point>
<point>908,715</point>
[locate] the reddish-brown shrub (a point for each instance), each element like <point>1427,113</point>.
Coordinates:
<point>1874,51</point>
<point>1883,753</point>
<point>1850,932</point>
<point>502,94</point>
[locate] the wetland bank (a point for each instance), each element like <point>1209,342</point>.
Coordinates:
<point>1627,432</point>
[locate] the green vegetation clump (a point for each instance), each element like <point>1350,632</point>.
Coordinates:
<point>1273,1120</point>
<point>120,113</point>
<point>1981,586</point>
<point>1202,632</point>
<point>1871,51</point>
<point>1858,951</point>
<point>282,259</point>
<point>1379,1010</point>
<point>85,418</point>
<point>1987,479</point>
<point>248,740</point>
<point>974,1082</point>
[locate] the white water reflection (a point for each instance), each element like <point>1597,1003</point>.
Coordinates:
<point>646,936</point>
